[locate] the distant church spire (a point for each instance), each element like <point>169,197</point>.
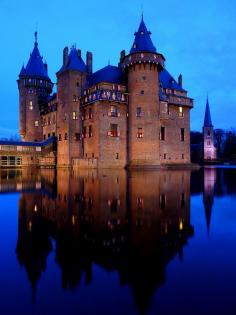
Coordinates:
<point>207,120</point>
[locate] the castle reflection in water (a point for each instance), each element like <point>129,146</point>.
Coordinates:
<point>132,222</point>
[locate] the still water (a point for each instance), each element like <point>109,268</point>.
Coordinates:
<point>116,242</point>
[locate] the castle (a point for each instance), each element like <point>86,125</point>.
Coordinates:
<point>131,115</point>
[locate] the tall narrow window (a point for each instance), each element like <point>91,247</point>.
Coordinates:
<point>74,116</point>
<point>66,136</point>
<point>163,134</point>
<point>181,112</point>
<point>90,113</point>
<point>140,133</point>
<point>36,123</point>
<point>31,107</point>
<point>113,111</point>
<point>138,112</point>
<point>182,202</point>
<point>113,130</point>
<point>84,132</point>
<point>182,131</point>
<point>162,201</point>
<point>90,132</point>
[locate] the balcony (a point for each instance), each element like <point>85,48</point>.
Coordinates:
<point>105,95</point>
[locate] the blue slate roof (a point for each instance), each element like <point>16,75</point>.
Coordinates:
<point>168,82</point>
<point>207,120</point>
<point>111,74</point>
<point>35,66</point>
<point>75,62</point>
<point>28,144</point>
<point>142,40</point>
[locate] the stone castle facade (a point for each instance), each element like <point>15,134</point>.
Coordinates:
<point>131,115</point>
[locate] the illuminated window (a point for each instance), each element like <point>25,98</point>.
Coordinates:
<point>74,115</point>
<point>182,134</point>
<point>31,107</point>
<point>140,133</point>
<point>36,123</point>
<point>113,111</point>
<point>181,112</point>
<point>138,112</point>
<point>74,98</point>
<point>163,134</point>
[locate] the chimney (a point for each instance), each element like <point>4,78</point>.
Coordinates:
<point>180,80</point>
<point>65,56</point>
<point>122,56</point>
<point>89,62</point>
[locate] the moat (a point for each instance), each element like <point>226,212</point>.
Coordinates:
<point>117,242</point>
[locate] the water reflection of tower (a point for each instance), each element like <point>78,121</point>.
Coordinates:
<point>132,223</point>
<point>208,193</point>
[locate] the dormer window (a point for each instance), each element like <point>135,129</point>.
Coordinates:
<point>142,33</point>
<point>135,46</point>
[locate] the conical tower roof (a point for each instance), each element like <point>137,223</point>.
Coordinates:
<point>207,120</point>
<point>35,66</point>
<point>75,62</point>
<point>142,40</point>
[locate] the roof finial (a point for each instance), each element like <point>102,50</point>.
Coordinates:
<point>36,37</point>
<point>142,11</point>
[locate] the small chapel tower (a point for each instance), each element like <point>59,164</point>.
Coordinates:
<point>208,136</point>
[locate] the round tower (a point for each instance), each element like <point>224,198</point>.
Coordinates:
<point>34,88</point>
<point>143,65</point>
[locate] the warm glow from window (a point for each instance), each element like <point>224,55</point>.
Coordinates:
<point>36,123</point>
<point>181,225</point>
<point>31,105</point>
<point>74,115</point>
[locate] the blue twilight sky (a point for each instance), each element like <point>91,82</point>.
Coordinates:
<point>198,39</point>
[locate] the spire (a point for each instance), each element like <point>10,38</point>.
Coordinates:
<point>35,66</point>
<point>142,40</point>
<point>207,120</point>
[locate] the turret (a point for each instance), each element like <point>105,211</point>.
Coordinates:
<point>71,79</point>
<point>34,87</point>
<point>143,65</point>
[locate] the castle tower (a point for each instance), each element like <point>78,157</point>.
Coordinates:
<point>208,136</point>
<point>71,80</point>
<point>34,87</point>
<point>143,65</point>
